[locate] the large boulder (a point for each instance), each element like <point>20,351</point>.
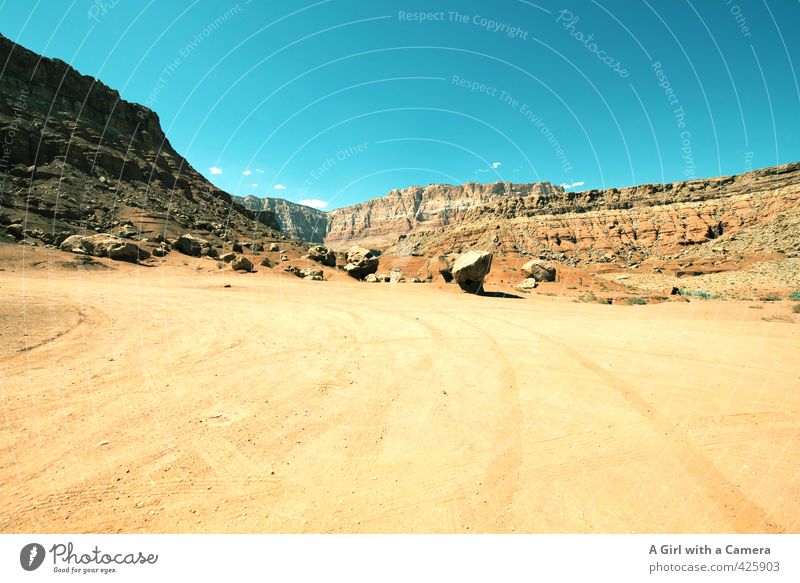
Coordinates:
<point>539,270</point>
<point>322,255</point>
<point>104,245</point>
<point>360,262</point>
<point>194,246</point>
<point>242,263</point>
<point>471,269</point>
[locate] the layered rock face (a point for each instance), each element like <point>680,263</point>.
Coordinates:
<point>625,224</point>
<point>295,220</point>
<point>418,208</point>
<point>77,157</point>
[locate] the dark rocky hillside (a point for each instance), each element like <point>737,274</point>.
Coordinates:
<point>76,158</point>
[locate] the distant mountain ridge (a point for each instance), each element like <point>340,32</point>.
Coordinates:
<point>295,220</point>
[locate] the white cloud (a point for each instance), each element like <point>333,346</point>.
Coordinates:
<point>247,172</point>
<point>482,170</point>
<point>314,203</point>
<point>573,185</point>
<point>259,170</point>
<point>279,187</point>
<point>254,185</point>
<point>215,170</point>
<point>496,165</point>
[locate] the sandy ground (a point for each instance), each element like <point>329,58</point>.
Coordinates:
<point>154,399</point>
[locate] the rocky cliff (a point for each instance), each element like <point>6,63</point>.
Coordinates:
<point>295,220</point>
<point>422,208</point>
<point>76,157</point>
<point>618,224</point>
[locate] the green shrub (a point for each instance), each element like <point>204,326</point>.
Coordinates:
<point>795,295</point>
<point>703,295</point>
<point>635,301</point>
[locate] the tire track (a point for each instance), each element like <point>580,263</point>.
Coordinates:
<point>743,515</point>
<point>501,477</point>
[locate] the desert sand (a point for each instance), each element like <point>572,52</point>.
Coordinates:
<point>155,399</point>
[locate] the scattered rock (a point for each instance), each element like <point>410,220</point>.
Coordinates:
<point>242,263</point>
<point>274,247</point>
<point>160,251</point>
<point>284,258</point>
<point>529,283</point>
<point>128,232</point>
<point>104,245</point>
<point>265,262</point>
<point>16,230</point>
<point>539,270</point>
<point>470,269</point>
<point>310,273</point>
<point>395,276</point>
<point>227,257</point>
<point>322,255</point>
<point>193,246</point>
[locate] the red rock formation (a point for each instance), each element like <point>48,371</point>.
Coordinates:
<point>415,208</point>
<point>618,223</point>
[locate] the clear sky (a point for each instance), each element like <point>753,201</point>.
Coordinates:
<point>338,101</point>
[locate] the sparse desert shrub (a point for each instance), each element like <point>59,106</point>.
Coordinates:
<point>703,295</point>
<point>795,295</point>
<point>770,298</point>
<point>591,298</point>
<point>796,308</point>
<point>635,301</point>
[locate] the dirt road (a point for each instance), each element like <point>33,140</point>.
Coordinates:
<point>157,400</point>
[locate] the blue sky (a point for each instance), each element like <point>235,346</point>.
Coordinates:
<point>340,101</point>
